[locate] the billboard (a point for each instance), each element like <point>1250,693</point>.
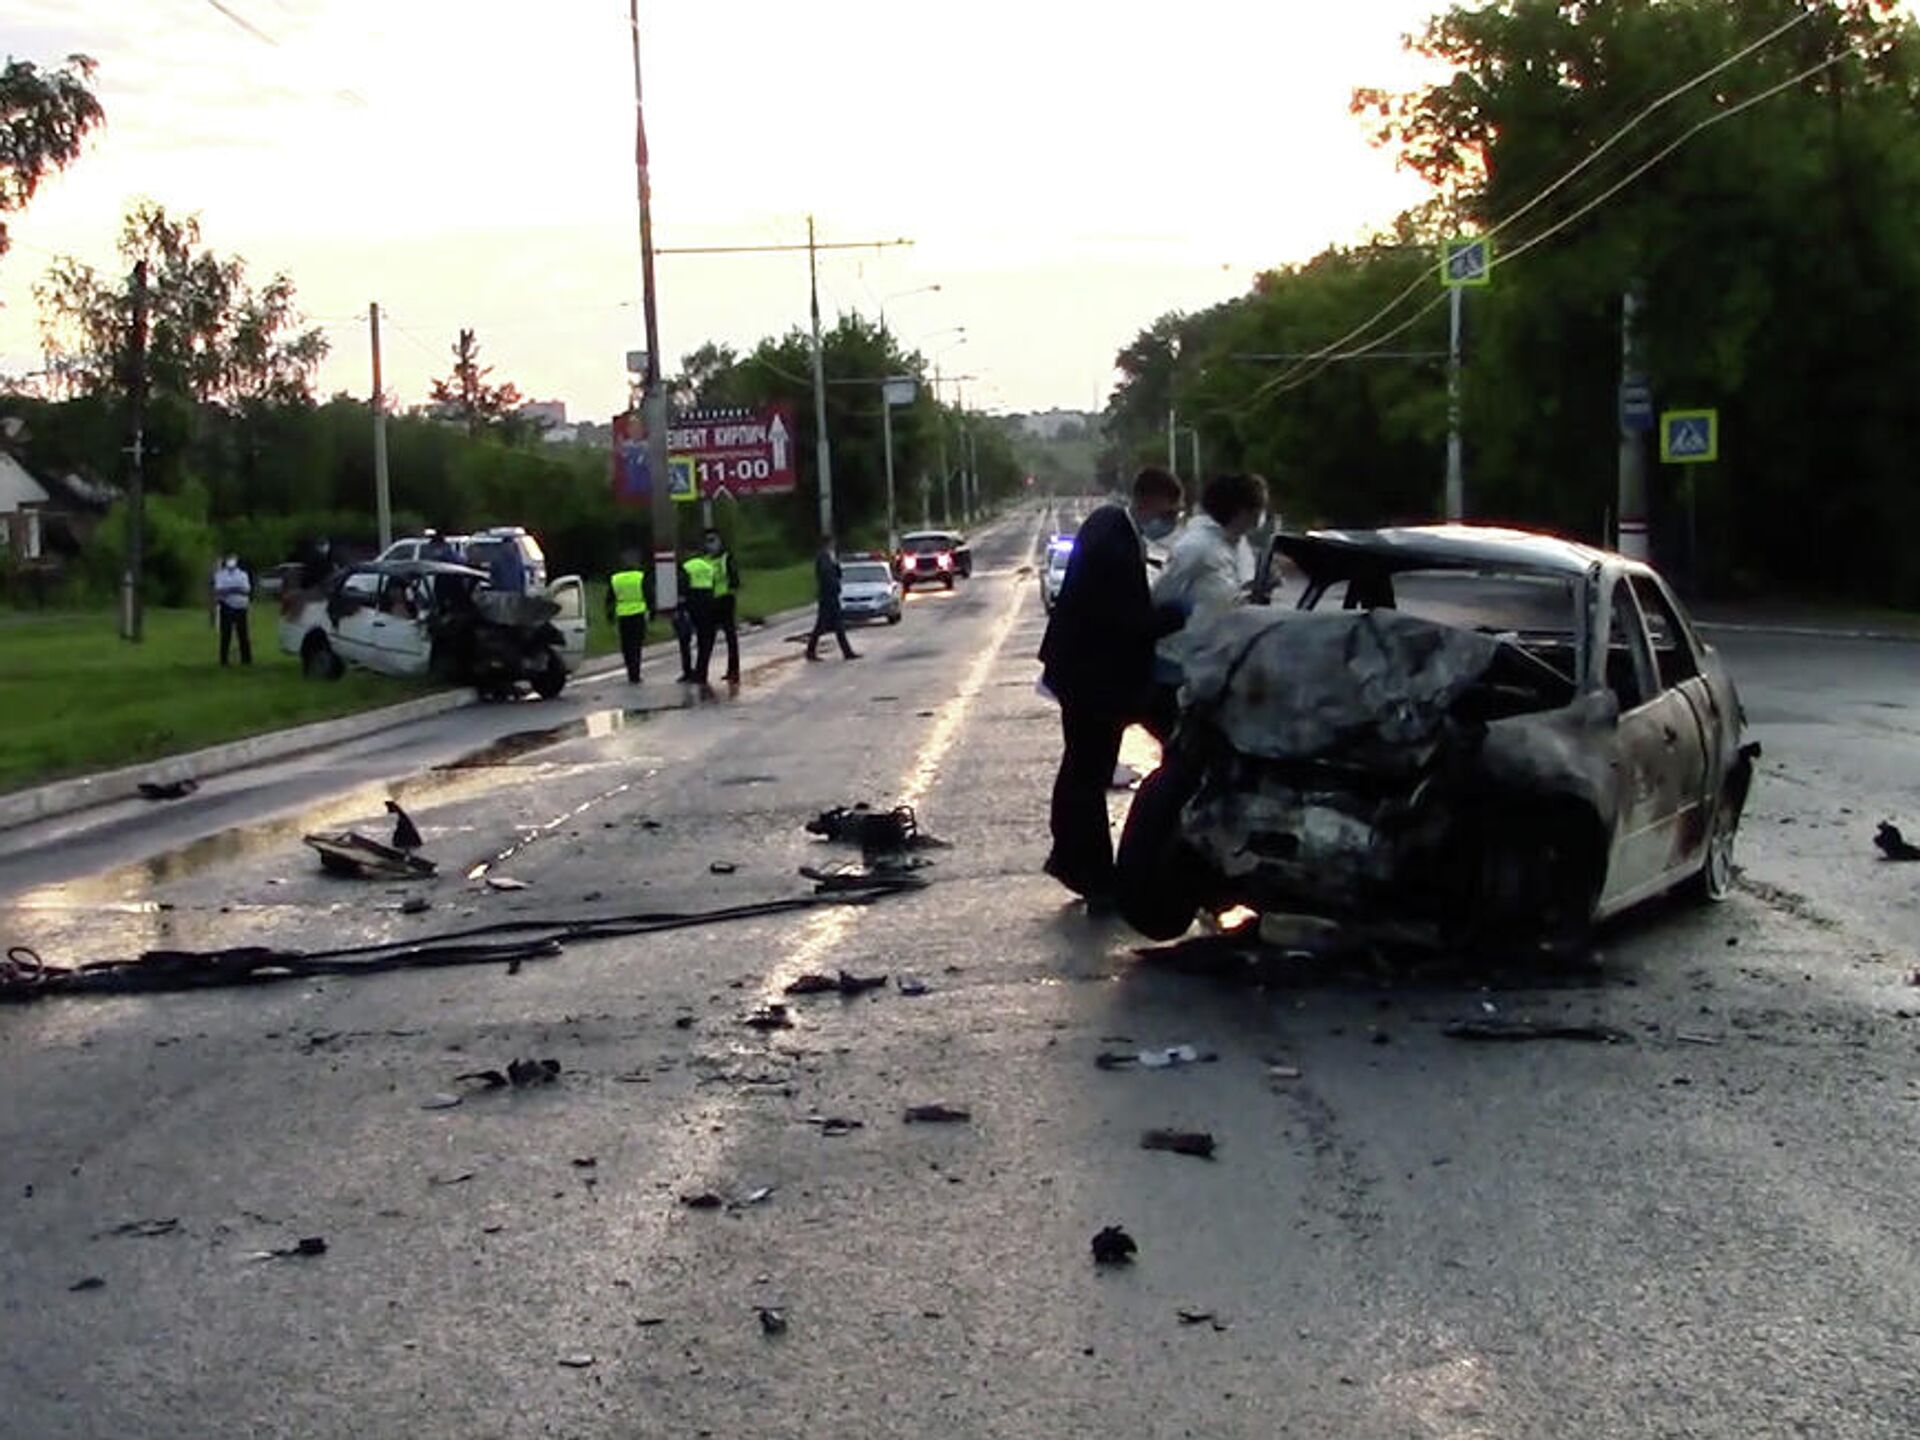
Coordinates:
<point>733,451</point>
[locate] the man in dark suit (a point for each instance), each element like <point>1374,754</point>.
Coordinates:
<point>828,620</point>
<point>1098,659</point>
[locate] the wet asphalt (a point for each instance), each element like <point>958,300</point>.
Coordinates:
<point>1703,1230</point>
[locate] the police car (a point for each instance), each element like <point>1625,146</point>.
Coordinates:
<point>1053,574</point>
<point>869,591</point>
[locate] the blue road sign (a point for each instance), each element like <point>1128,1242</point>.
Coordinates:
<point>1466,260</point>
<point>1636,407</point>
<point>1689,437</point>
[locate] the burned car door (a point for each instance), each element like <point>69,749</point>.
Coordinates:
<point>1661,756</point>
<point>1677,663</point>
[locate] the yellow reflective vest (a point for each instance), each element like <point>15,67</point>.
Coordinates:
<point>700,573</point>
<point>722,570</point>
<point>629,593</point>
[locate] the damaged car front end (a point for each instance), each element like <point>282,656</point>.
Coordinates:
<point>1489,736</point>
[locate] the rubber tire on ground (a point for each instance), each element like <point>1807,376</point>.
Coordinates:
<point>1162,882</point>
<point>1714,880</point>
<point>894,618</point>
<point>318,660</point>
<point>552,680</point>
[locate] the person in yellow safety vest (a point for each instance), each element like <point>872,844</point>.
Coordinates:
<point>627,608</point>
<point>701,573</point>
<point>726,588</point>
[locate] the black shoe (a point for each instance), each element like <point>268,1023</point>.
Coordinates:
<point>812,656</point>
<point>1052,866</point>
<point>852,655</point>
<point>1101,904</point>
<point>686,678</point>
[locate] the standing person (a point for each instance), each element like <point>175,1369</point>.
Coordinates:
<point>1098,661</point>
<point>627,608</point>
<point>726,585</point>
<point>700,573</point>
<point>1203,575</point>
<point>233,597</point>
<point>827,618</point>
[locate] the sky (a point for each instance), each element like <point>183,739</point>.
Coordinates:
<point>1066,171</point>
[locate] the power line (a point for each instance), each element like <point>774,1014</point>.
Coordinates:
<point>245,24</point>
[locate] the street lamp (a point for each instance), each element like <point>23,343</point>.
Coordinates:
<point>902,295</point>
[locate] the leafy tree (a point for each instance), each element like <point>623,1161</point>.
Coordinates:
<point>45,117</point>
<point>468,396</point>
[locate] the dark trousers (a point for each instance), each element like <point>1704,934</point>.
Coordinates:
<point>232,623</point>
<point>1163,712</point>
<point>633,635</point>
<point>828,621</point>
<point>1082,856</point>
<point>700,610</point>
<point>726,618</point>
<point>683,632</point>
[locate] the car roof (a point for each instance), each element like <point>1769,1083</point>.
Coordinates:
<point>930,535</point>
<point>411,569</point>
<point>1329,555</point>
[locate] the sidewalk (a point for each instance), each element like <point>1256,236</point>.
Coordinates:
<point>1809,620</point>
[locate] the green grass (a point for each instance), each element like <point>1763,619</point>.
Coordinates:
<point>74,697</point>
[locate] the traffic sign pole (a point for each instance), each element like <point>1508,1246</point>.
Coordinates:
<point>1456,466</point>
<point>1633,540</point>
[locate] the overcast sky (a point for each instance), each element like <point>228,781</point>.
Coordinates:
<point>1067,170</point>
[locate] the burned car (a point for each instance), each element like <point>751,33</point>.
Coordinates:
<point>1490,736</point>
<point>421,618</point>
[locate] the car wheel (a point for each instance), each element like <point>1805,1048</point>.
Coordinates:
<point>317,660</point>
<point>1714,881</point>
<point>893,617</point>
<point>552,680</point>
<point>948,582</point>
<point>1161,878</point>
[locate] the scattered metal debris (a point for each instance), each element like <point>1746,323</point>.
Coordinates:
<point>440,1100</point>
<point>505,882</point>
<point>773,1321</point>
<point>460,1179</point>
<point>1180,1142</point>
<point>1535,1030</point>
<point>1201,1317</point>
<point>519,1074</point>
<point>1283,1072</point>
<point>835,1124</point>
<point>141,1229</point>
<point>912,985</point>
<point>893,871</point>
<point>406,834</point>
<point>1167,1059</point>
<point>303,1249</point>
<point>704,1200</point>
<point>576,1360</point>
<point>415,905</point>
<point>769,1017</point>
<point>1114,1246</point>
<point>355,856</point>
<point>937,1115</point>
<point>713,1200</point>
<point>722,867</point>
<point>843,984</point>
<point>874,831</point>
<point>90,1282</point>
<point>1695,1037</point>
<point>167,789</point>
<point>1893,844</point>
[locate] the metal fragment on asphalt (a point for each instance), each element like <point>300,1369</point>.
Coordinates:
<point>1535,1030</point>
<point>1198,1143</point>
<point>937,1114</point>
<point>440,1101</point>
<point>578,1360</point>
<point>1114,1246</point>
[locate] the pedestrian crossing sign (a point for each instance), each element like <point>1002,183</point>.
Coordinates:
<point>681,479</point>
<point>1689,437</point>
<point>1466,260</point>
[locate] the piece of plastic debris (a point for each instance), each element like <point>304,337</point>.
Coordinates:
<point>142,1229</point>
<point>406,834</point>
<point>519,1074</point>
<point>1283,1072</point>
<point>912,985</point>
<point>1893,844</point>
<point>755,1196</point>
<point>1535,1030</point>
<point>585,1162</point>
<point>872,830</point>
<point>1180,1142</point>
<point>90,1282</point>
<point>1196,1317</point>
<point>705,1200</point>
<point>460,1179</point>
<point>1166,1059</point>
<point>773,1321</point>
<point>834,1124</point>
<point>937,1115</point>
<point>842,984</point>
<point>1113,1246</point>
<point>722,867</point>
<point>303,1249</point>
<point>1695,1037</point>
<point>359,857</point>
<point>440,1101</point>
<point>769,1017</point>
<point>167,789</point>
<point>505,882</point>
<point>576,1360</point>
<point>415,905</point>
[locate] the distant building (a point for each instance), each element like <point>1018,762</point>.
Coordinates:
<point>23,503</point>
<point>543,412</point>
<point>1052,424</point>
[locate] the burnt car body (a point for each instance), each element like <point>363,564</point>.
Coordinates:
<point>1493,735</point>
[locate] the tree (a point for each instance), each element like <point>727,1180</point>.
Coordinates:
<point>467,394</point>
<point>45,116</point>
<point>213,338</point>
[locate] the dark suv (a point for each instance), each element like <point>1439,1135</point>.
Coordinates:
<point>930,556</point>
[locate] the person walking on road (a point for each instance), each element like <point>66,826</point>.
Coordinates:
<point>726,586</point>
<point>627,608</point>
<point>233,598</point>
<point>827,618</point>
<point>701,575</point>
<point>1098,662</point>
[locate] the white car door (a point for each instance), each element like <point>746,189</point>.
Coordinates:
<point>351,613</point>
<point>569,592</point>
<point>398,631</point>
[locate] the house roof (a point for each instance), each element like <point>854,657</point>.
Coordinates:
<point>17,488</point>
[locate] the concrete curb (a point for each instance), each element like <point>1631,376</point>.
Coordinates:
<point>1808,632</point>
<point>82,792</point>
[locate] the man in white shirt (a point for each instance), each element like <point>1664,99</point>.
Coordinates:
<point>233,597</point>
<point>1204,574</point>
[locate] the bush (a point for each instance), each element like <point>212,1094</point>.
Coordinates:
<point>180,548</point>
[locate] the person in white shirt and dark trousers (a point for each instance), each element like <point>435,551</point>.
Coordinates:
<point>232,597</point>
<point>1205,573</point>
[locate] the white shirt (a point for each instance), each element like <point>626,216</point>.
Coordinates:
<point>232,587</point>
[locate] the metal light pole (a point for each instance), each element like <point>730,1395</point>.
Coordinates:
<point>822,452</point>
<point>896,391</point>
<point>382,495</point>
<point>1456,475</point>
<point>653,401</point>
<point>1633,541</point>
<point>902,295</point>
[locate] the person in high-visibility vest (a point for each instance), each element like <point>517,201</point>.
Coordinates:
<point>700,573</point>
<point>726,588</point>
<point>627,608</point>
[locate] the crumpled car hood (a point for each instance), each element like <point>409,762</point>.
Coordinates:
<point>1291,685</point>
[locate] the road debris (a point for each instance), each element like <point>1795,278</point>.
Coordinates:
<point>406,834</point>
<point>519,1074</point>
<point>576,1360</point>
<point>1114,1246</point>
<point>722,867</point>
<point>769,1017</point>
<point>912,985</point>
<point>505,882</point>
<point>167,789</point>
<point>90,1282</point>
<point>1180,1142</point>
<point>1201,1317</point>
<point>773,1321</point>
<point>1167,1059</point>
<point>141,1229</point>
<point>1893,844</point>
<point>354,856</point>
<point>705,1200</point>
<point>713,1200</point>
<point>835,1124</point>
<point>842,984</point>
<point>300,1250</point>
<point>874,831</point>
<point>1283,1072</point>
<point>415,905</point>
<point>460,1179</point>
<point>1695,1037</point>
<point>1535,1030</point>
<point>937,1115</point>
<point>440,1100</point>
<point>586,1162</point>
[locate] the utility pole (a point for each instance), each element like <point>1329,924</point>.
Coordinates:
<point>1193,437</point>
<point>823,452</point>
<point>131,618</point>
<point>1456,474</point>
<point>973,476</point>
<point>1173,462</point>
<point>653,395</point>
<point>1635,400</point>
<point>382,497</point>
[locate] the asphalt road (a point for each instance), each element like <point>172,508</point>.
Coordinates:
<point>1704,1232</point>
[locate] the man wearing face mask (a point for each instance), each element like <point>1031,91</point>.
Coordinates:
<point>1098,662</point>
<point>1203,575</point>
<point>233,598</point>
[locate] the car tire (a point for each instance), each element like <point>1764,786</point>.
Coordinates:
<point>947,583</point>
<point>318,660</point>
<point>552,680</point>
<point>1162,880</point>
<point>1713,882</point>
<point>894,618</point>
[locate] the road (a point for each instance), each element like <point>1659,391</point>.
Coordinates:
<point>1704,1232</point>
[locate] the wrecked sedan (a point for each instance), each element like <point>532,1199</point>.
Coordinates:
<point>419,618</point>
<point>1472,735</point>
